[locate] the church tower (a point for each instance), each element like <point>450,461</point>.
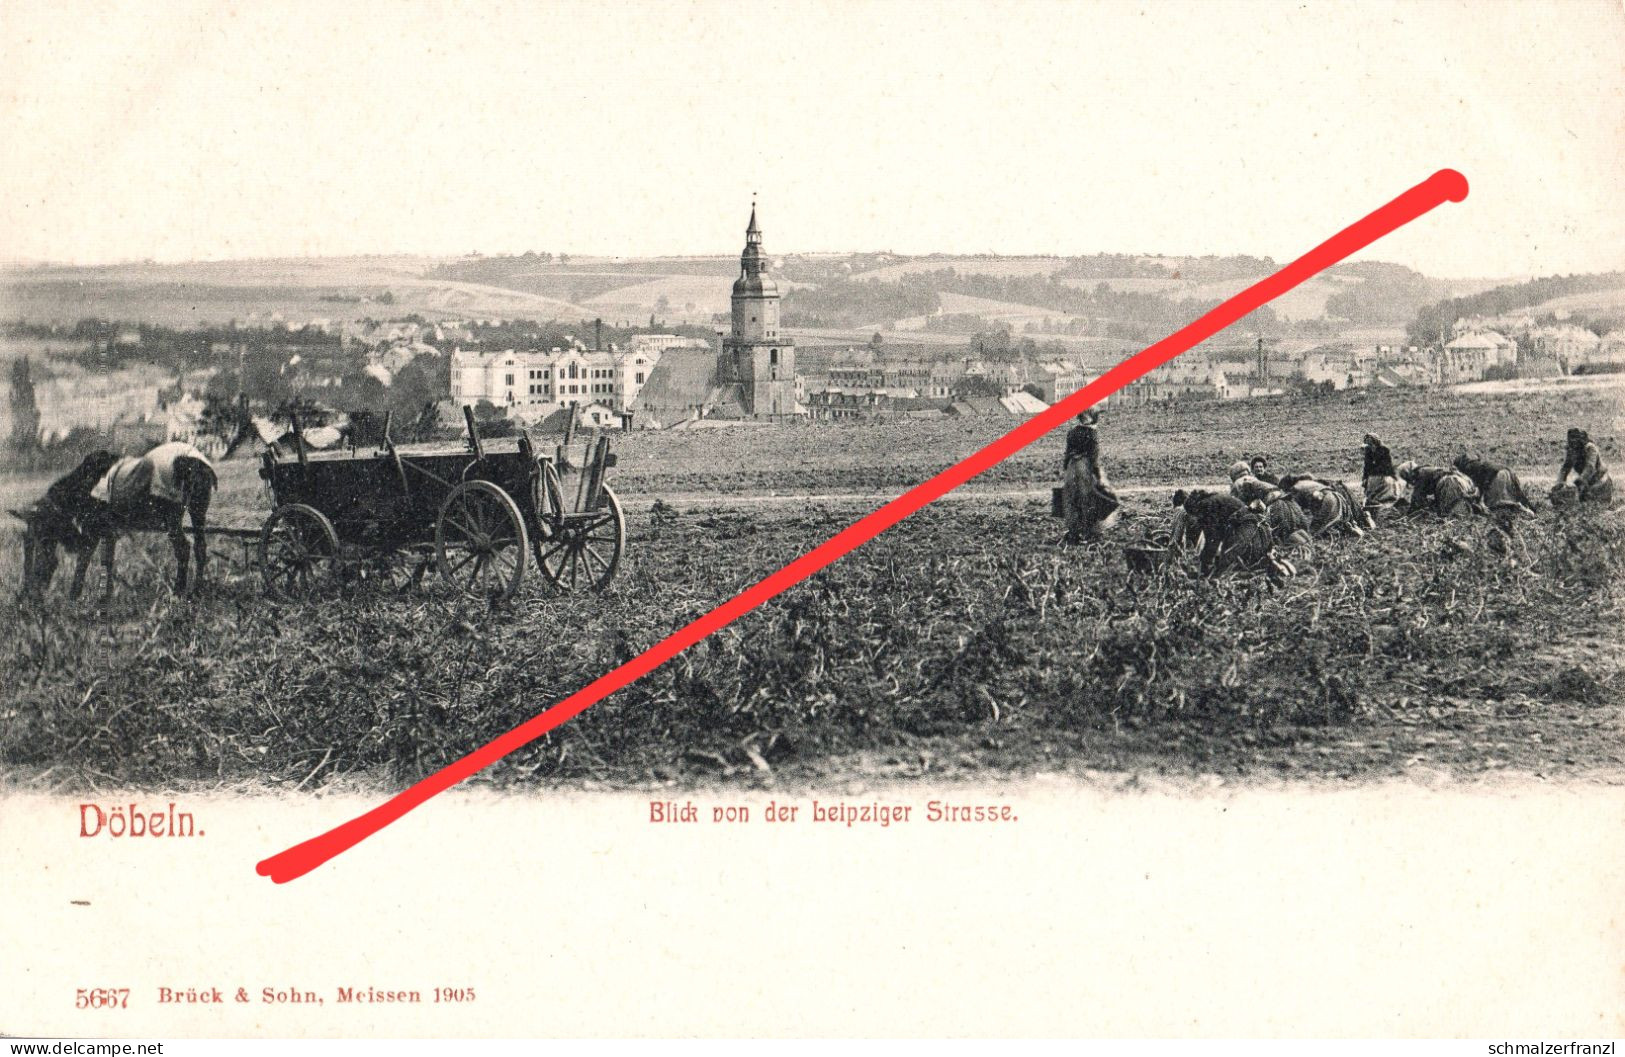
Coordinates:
<point>757,362</point>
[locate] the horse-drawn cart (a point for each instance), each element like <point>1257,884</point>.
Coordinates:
<point>479,512</point>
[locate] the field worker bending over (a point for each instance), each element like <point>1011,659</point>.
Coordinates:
<point>1441,490</point>
<point>1233,534</point>
<point>1502,492</point>
<point>1591,481</point>
<point>1288,524</point>
<point>1089,502</point>
<point>1329,505</point>
<point>1378,478</point>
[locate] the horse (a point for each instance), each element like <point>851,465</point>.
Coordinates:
<point>148,493</point>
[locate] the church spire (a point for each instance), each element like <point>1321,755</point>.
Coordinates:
<point>751,263</point>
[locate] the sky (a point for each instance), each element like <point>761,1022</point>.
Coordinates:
<point>178,131</point>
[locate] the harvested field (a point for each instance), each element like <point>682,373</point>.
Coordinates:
<point>965,642</point>
<point>1140,445</point>
<point>962,644</point>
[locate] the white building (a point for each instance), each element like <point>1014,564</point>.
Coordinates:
<point>532,382</point>
<point>1569,345</point>
<point>655,344</point>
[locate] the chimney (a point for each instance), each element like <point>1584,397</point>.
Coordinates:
<point>598,334</point>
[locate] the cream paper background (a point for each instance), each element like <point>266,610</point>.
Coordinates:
<point>1391,909</point>
<point>1396,910</point>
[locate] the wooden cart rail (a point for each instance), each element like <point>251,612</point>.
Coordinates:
<point>479,512</point>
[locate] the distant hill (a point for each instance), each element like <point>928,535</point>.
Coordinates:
<point>1597,297</point>
<point>295,290</point>
<point>1368,293</point>
<point>824,291</point>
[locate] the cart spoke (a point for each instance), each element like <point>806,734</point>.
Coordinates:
<point>471,518</point>
<point>468,556</point>
<point>590,555</point>
<point>508,565</point>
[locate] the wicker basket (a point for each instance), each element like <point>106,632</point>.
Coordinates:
<point>1145,557</point>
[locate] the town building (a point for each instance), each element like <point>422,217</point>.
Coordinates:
<point>1055,379</point>
<point>1571,346</point>
<point>756,366</point>
<point>1467,357</point>
<point>657,343</point>
<point>1189,377</point>
<point>1611,351</point>
<point>530,384</point>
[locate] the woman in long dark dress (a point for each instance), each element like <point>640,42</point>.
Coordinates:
<point>1378,478</point>
<point>1089,502</point>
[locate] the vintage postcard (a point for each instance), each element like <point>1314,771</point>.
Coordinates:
<point>841,518</point>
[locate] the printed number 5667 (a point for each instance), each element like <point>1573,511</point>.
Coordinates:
<point>103,998</point>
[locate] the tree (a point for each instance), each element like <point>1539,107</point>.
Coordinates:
<point>221,416</point>
<point>24,408</point>
<point>975,385</point>
<point>425,380</point>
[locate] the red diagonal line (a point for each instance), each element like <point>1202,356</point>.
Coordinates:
<point>1445,185</point>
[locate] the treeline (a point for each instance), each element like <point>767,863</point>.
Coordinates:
<point>1205,269</point>
<point>339,380</point>
<point>1388,295</point>
<point>1211,268</point>
<point>485,269</point>
<point>534,334</point>
<point>1000,344</point>
<point>100,344</point>
<point>1124,314</point>
<point>1433,321</point>
<point>849,303</point>
<point>810,268</point>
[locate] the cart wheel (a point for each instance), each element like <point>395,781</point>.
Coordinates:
<point>584,554</point>
<point>298,550</point>
<point>480,541</point>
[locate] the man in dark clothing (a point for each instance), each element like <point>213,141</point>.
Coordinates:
<point>1261,470</point>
